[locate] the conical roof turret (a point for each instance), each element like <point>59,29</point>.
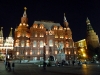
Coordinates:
<point>10,34</point>
<point>1,32</point>
<point>89,27</point>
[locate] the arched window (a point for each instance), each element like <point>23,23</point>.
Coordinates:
<point>41,43</point>
<point>50,43</point>
<point>35,34</point>
<point>67,44</point>
<point>22,43</point>
<point>34,43</point>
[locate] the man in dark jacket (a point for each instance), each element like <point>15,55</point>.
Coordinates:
<point>9,66</point>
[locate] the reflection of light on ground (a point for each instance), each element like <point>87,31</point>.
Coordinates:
<point>84,66</point>
<point>85,69</point>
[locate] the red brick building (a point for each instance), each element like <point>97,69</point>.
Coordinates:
<point>29,42</point>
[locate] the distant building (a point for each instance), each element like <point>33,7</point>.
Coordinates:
<point>6,45</point>
<point>82,48</point>
<point>29,42</point>
<point>92,38</point>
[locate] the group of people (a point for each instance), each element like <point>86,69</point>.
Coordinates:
<point>73,62</point>
<point>9,66</point>
<point>69,62</point>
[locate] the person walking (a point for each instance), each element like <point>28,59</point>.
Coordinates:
<point>13,65</point>
<point>73,62</point>
<point>9,66</point>
<point>68,62</point>
<point>79,63</point>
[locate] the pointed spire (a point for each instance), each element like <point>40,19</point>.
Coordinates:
<point>65,18</point>
<point>87,21</point>
<point>25,15</point>
<point>1,32</point>
<point>65,21</point>
<point>89,27</point>
<point>10,34</point>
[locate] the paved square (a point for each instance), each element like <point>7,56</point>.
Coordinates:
<point>31,69</point>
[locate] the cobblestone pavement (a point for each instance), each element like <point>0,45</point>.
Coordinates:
<point>31,69</point>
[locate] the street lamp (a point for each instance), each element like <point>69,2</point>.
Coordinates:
<point>44,63</point>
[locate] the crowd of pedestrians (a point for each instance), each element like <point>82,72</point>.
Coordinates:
<point>9,66</point>
<point>70,62</point>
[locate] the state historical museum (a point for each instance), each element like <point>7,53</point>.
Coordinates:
<point>29,42</point>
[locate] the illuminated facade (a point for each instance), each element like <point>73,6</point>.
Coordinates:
<point>92,38</point>
<point>29,43</point>
<point>81,47</point>
<point>6,45</point>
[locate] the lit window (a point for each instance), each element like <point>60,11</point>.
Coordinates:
<point>27,44</point>
<point>41,43</point>
<point>27,25</point>
<point>17,53</point>
<point>56,36</point>
<point>50,43</point>
<point>74,52</point>
<point>18,35</point>
<point>68,28</point>
<point>55,52</point>
<point>66,37</point>
<point>36,35</point>
<point>46,52</point>
<point>61,36</point>
<point>69,52</point>
<point>38,52</point>
<point>22,43</point>
<point>34,43</point>
<point>31,53</point>
<point>26,53</point>
<point>23,23</point>
<point>65,52</point>
<point>17,44</point>
<point>20,24</point>
<point>84,55</point>
<point>67,45</point>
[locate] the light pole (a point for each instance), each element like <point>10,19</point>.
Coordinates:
<point>44,63</point>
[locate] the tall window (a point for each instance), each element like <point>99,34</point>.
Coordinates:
<point>55,52</point>
<point>50,43</point>
<point>34,43</point>
<point>56,36</point>
<point>22,43</point>
<point>27,43</point>
<point>36,35</point>
<point>41,43</point>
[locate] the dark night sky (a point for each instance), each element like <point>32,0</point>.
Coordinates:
<point>76,12</point>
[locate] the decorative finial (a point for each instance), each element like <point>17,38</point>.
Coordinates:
<point>25,15</point>
<point>11,28</point>
<point>87,21</point>
<point>25,8</point>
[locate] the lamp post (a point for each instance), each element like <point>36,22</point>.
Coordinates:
<point>44,63</point>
